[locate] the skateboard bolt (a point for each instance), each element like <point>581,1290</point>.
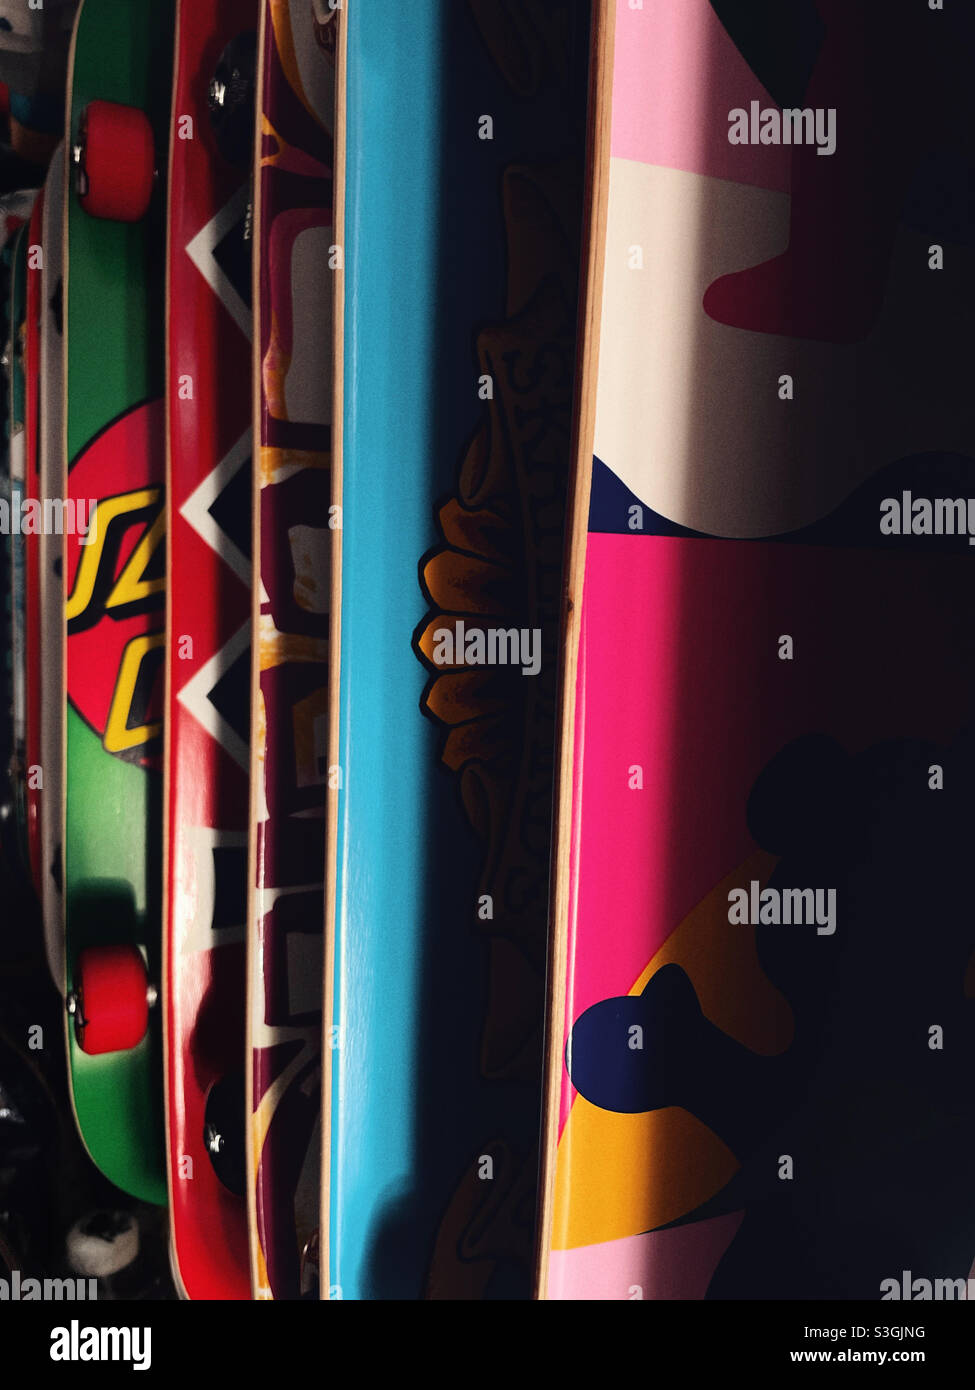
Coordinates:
<point>218,92</point>
<point>72,1003</point>
<point>214,1140</point>
<point>81,178</point>
<point>152,996</point>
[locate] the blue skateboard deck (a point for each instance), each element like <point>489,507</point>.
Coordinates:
<point>460,267</point>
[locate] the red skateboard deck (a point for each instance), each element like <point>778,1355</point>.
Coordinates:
<point>208,647</point>
<point>292,551</point>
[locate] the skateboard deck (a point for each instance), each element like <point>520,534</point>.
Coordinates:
<point>115,424</point>
<point>436,914</point>
<point>34,42</point>
<point>33,768</point>
<point>208,662</point>
<point>293,297</point>
<point>749,811</point>
<point>8,820</point>
<point>52,483</point>
<point>18,545</point>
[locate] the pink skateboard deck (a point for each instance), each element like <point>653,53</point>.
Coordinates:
<point>762,677</point>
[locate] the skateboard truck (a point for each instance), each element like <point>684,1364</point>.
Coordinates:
<point>310,1265</point>
<point>223,1131</point>
<point>231,99</point>
<point>111,1000</point>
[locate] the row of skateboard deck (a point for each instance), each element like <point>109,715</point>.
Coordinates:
<point>136,298</point>
<point>295,869</point>
<point>175,285</point>
<point>182,264</point>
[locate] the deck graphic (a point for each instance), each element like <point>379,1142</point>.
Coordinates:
<point>768,687</point>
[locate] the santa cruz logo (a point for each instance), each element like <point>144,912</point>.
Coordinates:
<point>116,586</point>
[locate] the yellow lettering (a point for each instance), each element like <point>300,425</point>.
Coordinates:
<point>119,738</point>
<point>130,585</point>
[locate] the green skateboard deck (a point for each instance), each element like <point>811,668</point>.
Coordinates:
<point>115,581</point>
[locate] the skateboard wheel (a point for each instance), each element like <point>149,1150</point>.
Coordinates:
<point>103,1243</point>
<point>115,161</point>
<point>111,998</point>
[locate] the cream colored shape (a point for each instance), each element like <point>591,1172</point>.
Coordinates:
<point>195,891</point>
<point>307,385</point>
<point>316,72</point>
<point>688,414</point>
<point>311,551</point>
<point>304,994</point>
<point>259,743</point>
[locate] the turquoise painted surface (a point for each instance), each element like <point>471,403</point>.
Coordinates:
<point>426,266</point>
<point>393,106</point>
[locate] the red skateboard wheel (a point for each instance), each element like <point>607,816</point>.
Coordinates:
<point>118,161</point>
<point>113,1000</point>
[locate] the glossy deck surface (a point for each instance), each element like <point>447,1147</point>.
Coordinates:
<point>114,382</point>
<point>18,541</point>
<point>53,483</point>
<point>208,654</point>
<point>459,264</point>
<point>292,548</point>
<point>32,490</point>
<point>748,713</point>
